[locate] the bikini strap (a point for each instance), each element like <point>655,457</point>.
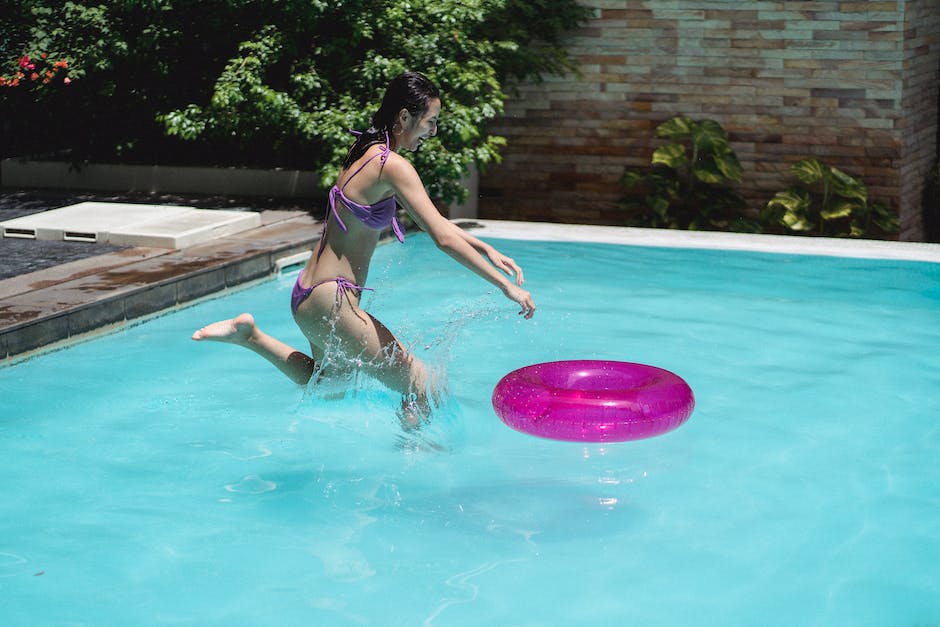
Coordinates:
<point>397,228</point>
<point>383,156</point>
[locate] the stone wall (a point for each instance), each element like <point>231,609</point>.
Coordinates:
<point>853,84</point>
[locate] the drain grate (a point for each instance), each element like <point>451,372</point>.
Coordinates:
<point>19,233</point>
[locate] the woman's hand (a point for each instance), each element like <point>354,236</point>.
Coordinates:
<point>521,296</point>
<point>506,264</point>
<point>512,292</point>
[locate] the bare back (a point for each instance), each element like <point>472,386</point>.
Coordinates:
<point>348,241</point>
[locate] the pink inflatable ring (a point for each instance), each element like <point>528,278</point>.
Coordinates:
<point>593,401</point>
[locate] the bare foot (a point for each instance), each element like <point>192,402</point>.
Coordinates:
<point>237,330</point>
<point>414,412</point>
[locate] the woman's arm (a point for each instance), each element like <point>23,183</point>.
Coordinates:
<point>450,238</point>
<point>498,259</point>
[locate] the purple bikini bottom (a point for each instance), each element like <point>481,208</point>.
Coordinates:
<point>301,293</point>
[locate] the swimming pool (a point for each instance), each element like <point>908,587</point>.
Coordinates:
<point>150,479</point>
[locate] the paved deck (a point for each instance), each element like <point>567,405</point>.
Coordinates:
<point>60,303</point>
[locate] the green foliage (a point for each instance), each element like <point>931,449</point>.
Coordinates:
<point>688,186</point>
<point>525,36</point>
<point>127,61</point>
<point>40,45</point>
<point>689,183</point>
<point>827,201</point>
<point>250,82</point>
<point>341,61</point>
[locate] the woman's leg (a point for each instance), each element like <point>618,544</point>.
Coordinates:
<point>242,331</point>
<point>354,339</point>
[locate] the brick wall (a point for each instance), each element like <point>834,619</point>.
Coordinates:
<point>853,84</point>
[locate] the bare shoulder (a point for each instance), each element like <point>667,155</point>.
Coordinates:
<point>405,182</point>
<point>397,166</point>
<point>370,165</point>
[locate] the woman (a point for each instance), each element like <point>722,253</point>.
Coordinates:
<point>325,300</point>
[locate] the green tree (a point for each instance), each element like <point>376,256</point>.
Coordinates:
<point>250,82</point>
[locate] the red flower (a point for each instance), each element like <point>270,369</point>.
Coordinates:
<point>46,73</point>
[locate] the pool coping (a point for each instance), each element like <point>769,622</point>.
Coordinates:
<point>52,307</point>
<point>43,309</point>
<point>713,240</point>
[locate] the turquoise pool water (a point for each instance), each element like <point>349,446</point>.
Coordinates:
<point>152,480</point>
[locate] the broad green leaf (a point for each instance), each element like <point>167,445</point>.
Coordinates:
<point>796,222</point>
<point>848,186</point>
<point>791,200</point>
<point>885,218</point>
<point>809,171</point>
<point>632,178</point>
<point>707,172</point>
<point>713,128</point>
<point>671,155</point>
<point>676,128</point>
<point>709,137</point>
<point>660,206</point>
<point>842,209</point>
<point>888,224</point>
<point>729,165</point>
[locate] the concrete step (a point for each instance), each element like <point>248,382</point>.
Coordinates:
<point>124,224</point>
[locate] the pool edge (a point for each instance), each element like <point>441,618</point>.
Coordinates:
<point>715,240</point>
<point>50,308</point>
<point>53,307</point>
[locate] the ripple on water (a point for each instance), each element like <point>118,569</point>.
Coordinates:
<point>11,564</point>
<point>252,484</point>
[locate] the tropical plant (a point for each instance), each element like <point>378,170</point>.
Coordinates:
<point>689,182</point>
<point>827,201</point>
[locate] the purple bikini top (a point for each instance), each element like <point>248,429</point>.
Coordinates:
<point>376,216</point>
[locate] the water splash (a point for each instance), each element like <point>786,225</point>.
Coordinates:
<point>341,378</point>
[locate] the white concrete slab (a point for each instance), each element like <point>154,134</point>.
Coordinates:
<point>185,229</point>
<point>87,221</point>
<point>125,224</point>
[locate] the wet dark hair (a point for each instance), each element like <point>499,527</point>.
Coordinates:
<point>410,90</point>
